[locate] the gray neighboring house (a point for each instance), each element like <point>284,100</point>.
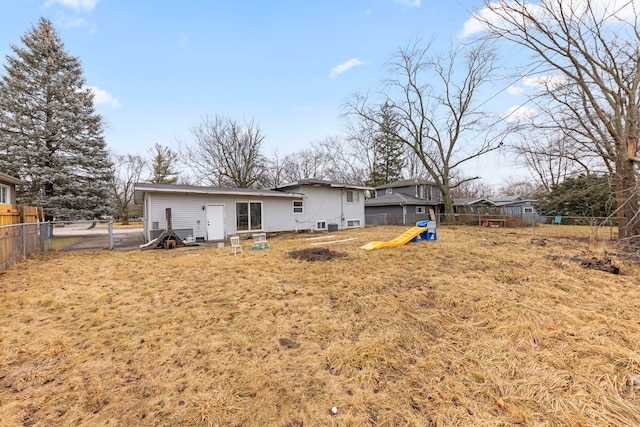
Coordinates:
<point>512,206</point>
<point>214,213</point>
<point>8,188</point>
<point>404,202</point>
<point>504,210</point>
<point>516,206</point>
<point>475,205</point>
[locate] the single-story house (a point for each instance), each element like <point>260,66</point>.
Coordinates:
<point>503,210</point>
<point>516,206</point>
<point>8,188</point>
<point>404,202</point>
<point>475,206</point>
<point>214,213</point>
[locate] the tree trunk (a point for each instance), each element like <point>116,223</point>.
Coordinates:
<point>626,195</point>
<point>448,206</point>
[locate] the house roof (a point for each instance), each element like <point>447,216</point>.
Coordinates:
<point>140,188</point>
<point>404,183</point>
<point>511,200</point>
<point>468,201</point>
<point>398,199</point>
<point>322,183</point>
<point>10,179</point>
<point>505,198</point>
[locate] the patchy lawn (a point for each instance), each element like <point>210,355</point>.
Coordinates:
<point>481,327</point>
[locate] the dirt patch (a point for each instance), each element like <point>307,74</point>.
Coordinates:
<point>316,254</point>
<point>593,263</point>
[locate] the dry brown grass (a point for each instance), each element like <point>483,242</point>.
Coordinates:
<point>476,329</point>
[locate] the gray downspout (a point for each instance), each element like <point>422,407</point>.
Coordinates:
<point>342,196</point>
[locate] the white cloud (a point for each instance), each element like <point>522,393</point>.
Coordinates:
<point>515,90</point>
<point>604,10</point>
<point>475,24</point>
<point>412,3</point>
<point>339,69</point>
<point>517,113</point>
<point>84,5</point>
<point>551,81</point>
<point>101,97</point>
<point>67,22</point>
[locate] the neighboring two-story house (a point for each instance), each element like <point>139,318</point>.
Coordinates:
<point>404,202</point>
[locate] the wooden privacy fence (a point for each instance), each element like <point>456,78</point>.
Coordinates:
<point>18,241</point>
<point>20,214</point>
<point>22,233</point>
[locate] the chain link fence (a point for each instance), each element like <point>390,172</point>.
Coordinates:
<point>96,235</point>
<point>19,241</point>
<point>593,228</point>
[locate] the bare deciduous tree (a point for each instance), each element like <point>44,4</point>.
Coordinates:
<point>343,160</point>
<point>471,189</point>
<point>225,153</point>
<point>525,189</point>
<point>127,170</point>
<point>549,159</point>
<point>595,49</point>
<point>435,103</point>
<point>307,163</point>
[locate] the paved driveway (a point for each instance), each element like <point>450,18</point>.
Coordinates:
<point>97,238</point>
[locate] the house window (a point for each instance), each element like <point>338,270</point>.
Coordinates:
<point>528,210</point>
<point>248,216</point>
<point>321,225</point>
<point>353,223</point>
<point>353,196</point>
<point>4,194</point>
<point>298,207</point>
<point>420,209</point>
<point>389,191</point>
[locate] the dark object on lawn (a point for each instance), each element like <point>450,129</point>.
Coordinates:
<point>286,342</point>
<point>592,263</point>
<point>539,242</point>
<point>315,254</point>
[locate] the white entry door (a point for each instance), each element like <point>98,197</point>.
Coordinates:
<point>215,222</point>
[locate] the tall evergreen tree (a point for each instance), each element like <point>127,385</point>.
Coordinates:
<point>584,195</point>
<point>50,135</point>
<point>163,165</point>
<point>390,150</point>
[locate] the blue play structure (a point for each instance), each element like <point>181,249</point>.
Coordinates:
<point>430,233</point>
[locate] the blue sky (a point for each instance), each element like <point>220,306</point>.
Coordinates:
<point>159,67</point>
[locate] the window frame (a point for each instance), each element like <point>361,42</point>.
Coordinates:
<point>355,196</point>
<point>321,222</point>
<point>352,221</point>
<point>300,207</point>
<point>421,210</point>
<point>5,194</point>
<point>250,222</point>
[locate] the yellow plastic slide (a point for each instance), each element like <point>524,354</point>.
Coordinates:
<point>402,239</point>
